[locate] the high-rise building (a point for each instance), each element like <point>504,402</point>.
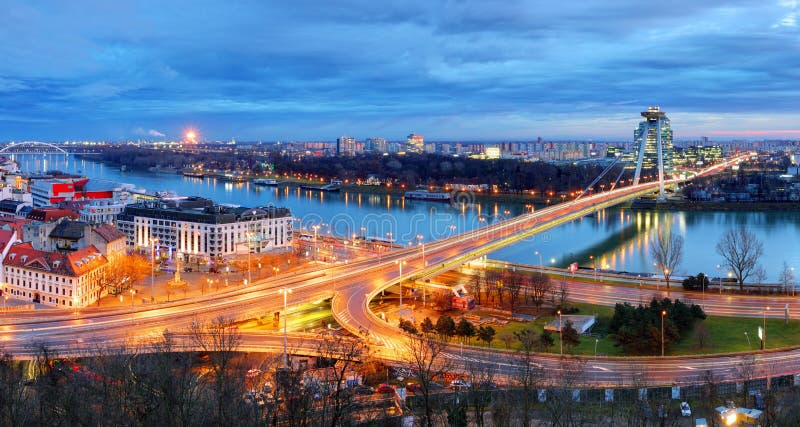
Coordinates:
<point>375,144</point>
<point>649,132</point>
<point>416,142</point>
<point>345,146</point>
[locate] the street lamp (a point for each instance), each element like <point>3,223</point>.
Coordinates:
<point>560,334</point>
<point>663,314</point>
<point>541,267</point>
<point>764,334</point>
<point>315,227</point>
<point>719,273</point>
<point>400,265</point>
<point>285,292</point>
<point>422,243</point>
<point>153,243</point>
<point>249,248</point>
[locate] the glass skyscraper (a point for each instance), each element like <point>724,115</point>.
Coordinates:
<point>648,129</point>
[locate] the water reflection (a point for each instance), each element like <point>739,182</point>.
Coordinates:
<point>618,238</point>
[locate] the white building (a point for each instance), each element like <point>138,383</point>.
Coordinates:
<point>51,278</point>
<point>102,211</point>
<point>199,230</point>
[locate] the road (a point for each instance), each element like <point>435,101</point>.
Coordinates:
<point>352,286</point>
<point>714,303</point>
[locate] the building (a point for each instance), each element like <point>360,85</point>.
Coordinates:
<point>647,135</point>
<point>66,236</point>
<point>46,192</point>
<point>47,214</point>
<point>8,237</point>
<point>345,146</point>
<point>200,230</point>
<point>375,144</point>
<point>101,211</point>
<point>416,142</point>
<point>14,208</point>
<point>53,278</point>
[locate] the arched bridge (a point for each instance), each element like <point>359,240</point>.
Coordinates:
<point>32,147</point>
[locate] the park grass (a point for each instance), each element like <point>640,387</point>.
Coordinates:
<point>725,334</point>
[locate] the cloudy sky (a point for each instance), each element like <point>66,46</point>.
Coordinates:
<point>451,70</point>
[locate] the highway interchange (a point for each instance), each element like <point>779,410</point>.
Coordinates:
<point>351,286</point>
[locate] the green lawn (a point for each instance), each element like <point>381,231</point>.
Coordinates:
<point>724,334</point>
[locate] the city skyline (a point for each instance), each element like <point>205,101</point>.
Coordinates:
<point>471,71</point>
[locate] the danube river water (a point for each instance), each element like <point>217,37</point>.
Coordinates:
<point>619,238</point>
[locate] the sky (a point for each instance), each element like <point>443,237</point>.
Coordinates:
<point>479,70</point>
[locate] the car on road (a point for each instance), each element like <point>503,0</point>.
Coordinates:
<point>686,410</point>
<point>362,389</point>
<point>413,387</point>
<point>460,384</point>
<point>385,388</point>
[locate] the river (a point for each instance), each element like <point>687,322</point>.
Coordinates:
<point>619,238</point>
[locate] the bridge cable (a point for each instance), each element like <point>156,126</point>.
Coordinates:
<point>599,177</point>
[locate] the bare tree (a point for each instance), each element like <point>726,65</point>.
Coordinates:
<point>481,378</point>
<point>667,251</point>
<point>741,250</point>
<point>476,283</point>
<point>343,355</point>
<point>121,273</point>
<point>220,338</point>
<point>427,360</point>
<point>540,286</point>
<point>786,277</point>
<point>530,374</point>
<point>513,287</point>
<point>14,403</point>
<point>560,402</point>
<point>746,371</point>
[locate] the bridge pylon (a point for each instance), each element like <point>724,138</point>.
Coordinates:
<point>649,135</point>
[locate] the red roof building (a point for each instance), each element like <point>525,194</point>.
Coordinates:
<point>48,214</point>
<point>52,278</point>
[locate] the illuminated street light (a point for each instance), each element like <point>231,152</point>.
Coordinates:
<point>560,334</point>
<point>764,333</point>
<point>541,267</point>
<point>153,243</point>
<point>285,292</point>
<point>249,248</point>
<point>400,265</point>
<point>422,243</point>
<point>663,313</point>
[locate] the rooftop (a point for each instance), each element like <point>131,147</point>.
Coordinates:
<point>201,210</point>
<point>77,263</point>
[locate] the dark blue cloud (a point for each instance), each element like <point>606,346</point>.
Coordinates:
<point>452,69</point>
